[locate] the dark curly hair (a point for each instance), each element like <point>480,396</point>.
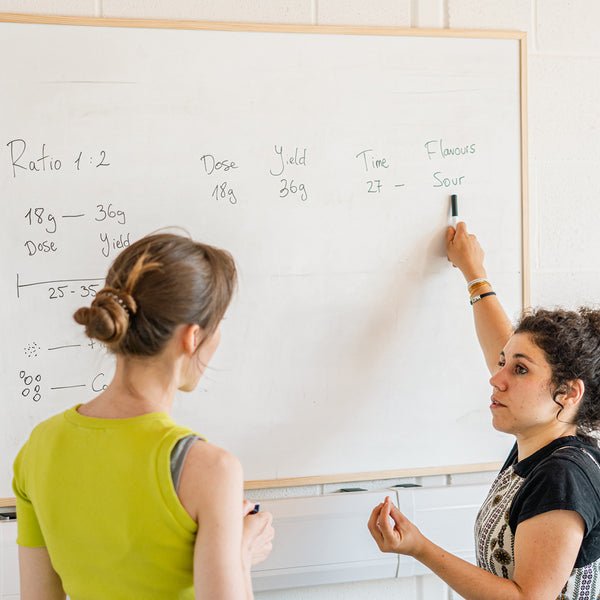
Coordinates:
<point>570,341</point>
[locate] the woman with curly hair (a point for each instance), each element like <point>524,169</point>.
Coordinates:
<point>538,531</point>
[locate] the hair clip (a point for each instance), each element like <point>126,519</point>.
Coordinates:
<point>117,298</point>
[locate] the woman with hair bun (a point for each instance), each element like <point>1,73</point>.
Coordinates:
<point>114,499</point>
<point>538,532</point>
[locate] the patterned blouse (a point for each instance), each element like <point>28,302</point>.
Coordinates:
<point>563,475</point>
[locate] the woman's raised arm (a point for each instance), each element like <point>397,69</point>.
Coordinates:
<point>492,325</point>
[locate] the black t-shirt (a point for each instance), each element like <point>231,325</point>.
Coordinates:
<point>564,475</point>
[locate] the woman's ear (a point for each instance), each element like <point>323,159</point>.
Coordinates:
<point>191,336</point>
<point>575,391</point>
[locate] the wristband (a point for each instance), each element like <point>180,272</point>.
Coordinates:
<point>477,283</point>
<point>474,281</point>
<point>477,298</point>
<point>478,288</point>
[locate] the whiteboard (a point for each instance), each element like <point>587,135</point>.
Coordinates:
<point>324,160</point>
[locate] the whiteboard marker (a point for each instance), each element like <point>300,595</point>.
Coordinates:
<point>454,204</point>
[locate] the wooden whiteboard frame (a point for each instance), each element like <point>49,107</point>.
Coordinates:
<point>520,36</point>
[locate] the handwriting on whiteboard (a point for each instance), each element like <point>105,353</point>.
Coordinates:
<point>287,170</point>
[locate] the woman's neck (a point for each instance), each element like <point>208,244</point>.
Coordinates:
<point>529,444</point>
<point>139,386</point>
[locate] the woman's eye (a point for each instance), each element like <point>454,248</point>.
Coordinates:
<point>520,370</point>
<point>501,363</point>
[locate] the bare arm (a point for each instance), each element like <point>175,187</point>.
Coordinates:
<point>492,325</point>
<point>227,542</point>
<point>39,580</point>
<point>546,547</point>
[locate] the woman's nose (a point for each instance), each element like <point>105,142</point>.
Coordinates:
<point>497,379</point>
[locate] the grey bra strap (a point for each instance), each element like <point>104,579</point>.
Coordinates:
<point>178,456</point>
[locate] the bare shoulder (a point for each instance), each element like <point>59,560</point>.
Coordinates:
<point>204,455</point>
<point>210,477</point>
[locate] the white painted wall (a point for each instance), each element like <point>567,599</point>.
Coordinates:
<point>564,156</point>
